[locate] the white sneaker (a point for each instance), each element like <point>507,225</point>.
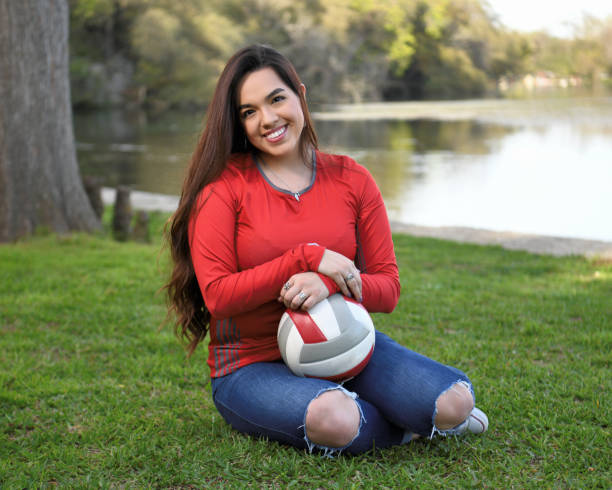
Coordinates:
<point>477,422</point>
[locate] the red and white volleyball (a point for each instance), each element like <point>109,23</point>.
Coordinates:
<point>333,340</point>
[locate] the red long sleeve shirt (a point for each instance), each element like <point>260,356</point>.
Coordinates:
<point>248,237</point>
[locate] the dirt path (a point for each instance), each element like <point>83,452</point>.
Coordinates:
<point>539,244</point>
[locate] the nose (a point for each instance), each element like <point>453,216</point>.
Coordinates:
<point>268,117</point>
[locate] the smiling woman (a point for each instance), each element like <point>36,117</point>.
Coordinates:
<point>273,123</point>
<point>267,222</point>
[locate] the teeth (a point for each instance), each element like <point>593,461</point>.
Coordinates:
<point>277,133</point>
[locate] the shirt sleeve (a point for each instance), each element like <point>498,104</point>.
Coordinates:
<point>225,290</point>
<point>375,256</point>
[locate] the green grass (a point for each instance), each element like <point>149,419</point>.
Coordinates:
<point>93,395</point>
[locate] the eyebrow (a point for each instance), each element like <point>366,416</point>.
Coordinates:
<point>271,94</point>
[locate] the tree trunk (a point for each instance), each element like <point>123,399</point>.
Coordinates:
<point>40,184</point>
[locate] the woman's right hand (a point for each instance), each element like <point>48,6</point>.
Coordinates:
<point>344,273</point>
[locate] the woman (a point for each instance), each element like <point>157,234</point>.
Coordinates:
<point>266,222</point>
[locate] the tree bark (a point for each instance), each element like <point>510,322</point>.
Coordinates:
<point>40,183</point>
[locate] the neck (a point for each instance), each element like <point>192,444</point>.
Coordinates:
<point>294,161</point>
<point>291,175</point>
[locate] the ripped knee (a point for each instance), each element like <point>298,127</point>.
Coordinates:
<point>333,419</point>
<point>453,406</point>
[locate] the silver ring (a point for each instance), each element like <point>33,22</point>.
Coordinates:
<point>349,276</point>
<point>287,286</point>
<point>302,296</point>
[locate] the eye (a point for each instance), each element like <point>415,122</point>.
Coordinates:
<point>247,113</point>
<point>278,98</point>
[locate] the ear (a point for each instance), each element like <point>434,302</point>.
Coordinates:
<point>303,89</point>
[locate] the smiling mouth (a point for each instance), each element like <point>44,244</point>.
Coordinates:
<point>276,134</point>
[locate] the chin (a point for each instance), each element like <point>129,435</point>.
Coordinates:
<point>279,152</point>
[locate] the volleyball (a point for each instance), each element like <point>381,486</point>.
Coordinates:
<point>333,340</point>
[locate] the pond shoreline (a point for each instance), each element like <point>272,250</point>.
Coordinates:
<point>538,244</point>
<point>512,112</point>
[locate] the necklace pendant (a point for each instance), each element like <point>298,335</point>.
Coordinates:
<point>297,196</point>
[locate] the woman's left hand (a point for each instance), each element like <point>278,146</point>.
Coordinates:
<point>302,291</point>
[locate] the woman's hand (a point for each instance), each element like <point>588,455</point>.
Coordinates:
<point>344,273</point>
<point>303,291</point>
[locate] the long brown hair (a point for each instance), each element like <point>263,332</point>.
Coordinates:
<point>223,135</point>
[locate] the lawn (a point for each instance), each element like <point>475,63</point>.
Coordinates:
<point>93,394</point>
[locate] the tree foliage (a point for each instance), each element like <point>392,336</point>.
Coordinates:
<point>346,50</point>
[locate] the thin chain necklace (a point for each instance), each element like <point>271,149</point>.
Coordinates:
<point>296,194</point>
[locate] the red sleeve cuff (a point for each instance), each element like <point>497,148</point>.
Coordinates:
<point>331,285</point>
<point>313,253</point>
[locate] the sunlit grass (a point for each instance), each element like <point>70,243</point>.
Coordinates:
<point>92,394</point>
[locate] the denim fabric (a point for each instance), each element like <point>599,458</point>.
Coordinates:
<point>396,393</point>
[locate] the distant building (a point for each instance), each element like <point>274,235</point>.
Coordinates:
<point>540,80</point>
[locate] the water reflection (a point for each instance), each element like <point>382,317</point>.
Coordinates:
<point>126,148</point>
<point>399,154</point>
<point>506,166</point>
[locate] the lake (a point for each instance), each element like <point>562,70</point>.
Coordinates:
<point>535,166</point>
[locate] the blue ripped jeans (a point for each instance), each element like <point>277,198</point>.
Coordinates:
<point>396,394</point>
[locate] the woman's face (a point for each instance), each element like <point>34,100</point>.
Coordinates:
<point>271,115</point>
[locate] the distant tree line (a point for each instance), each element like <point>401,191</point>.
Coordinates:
<point>166,54</point>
